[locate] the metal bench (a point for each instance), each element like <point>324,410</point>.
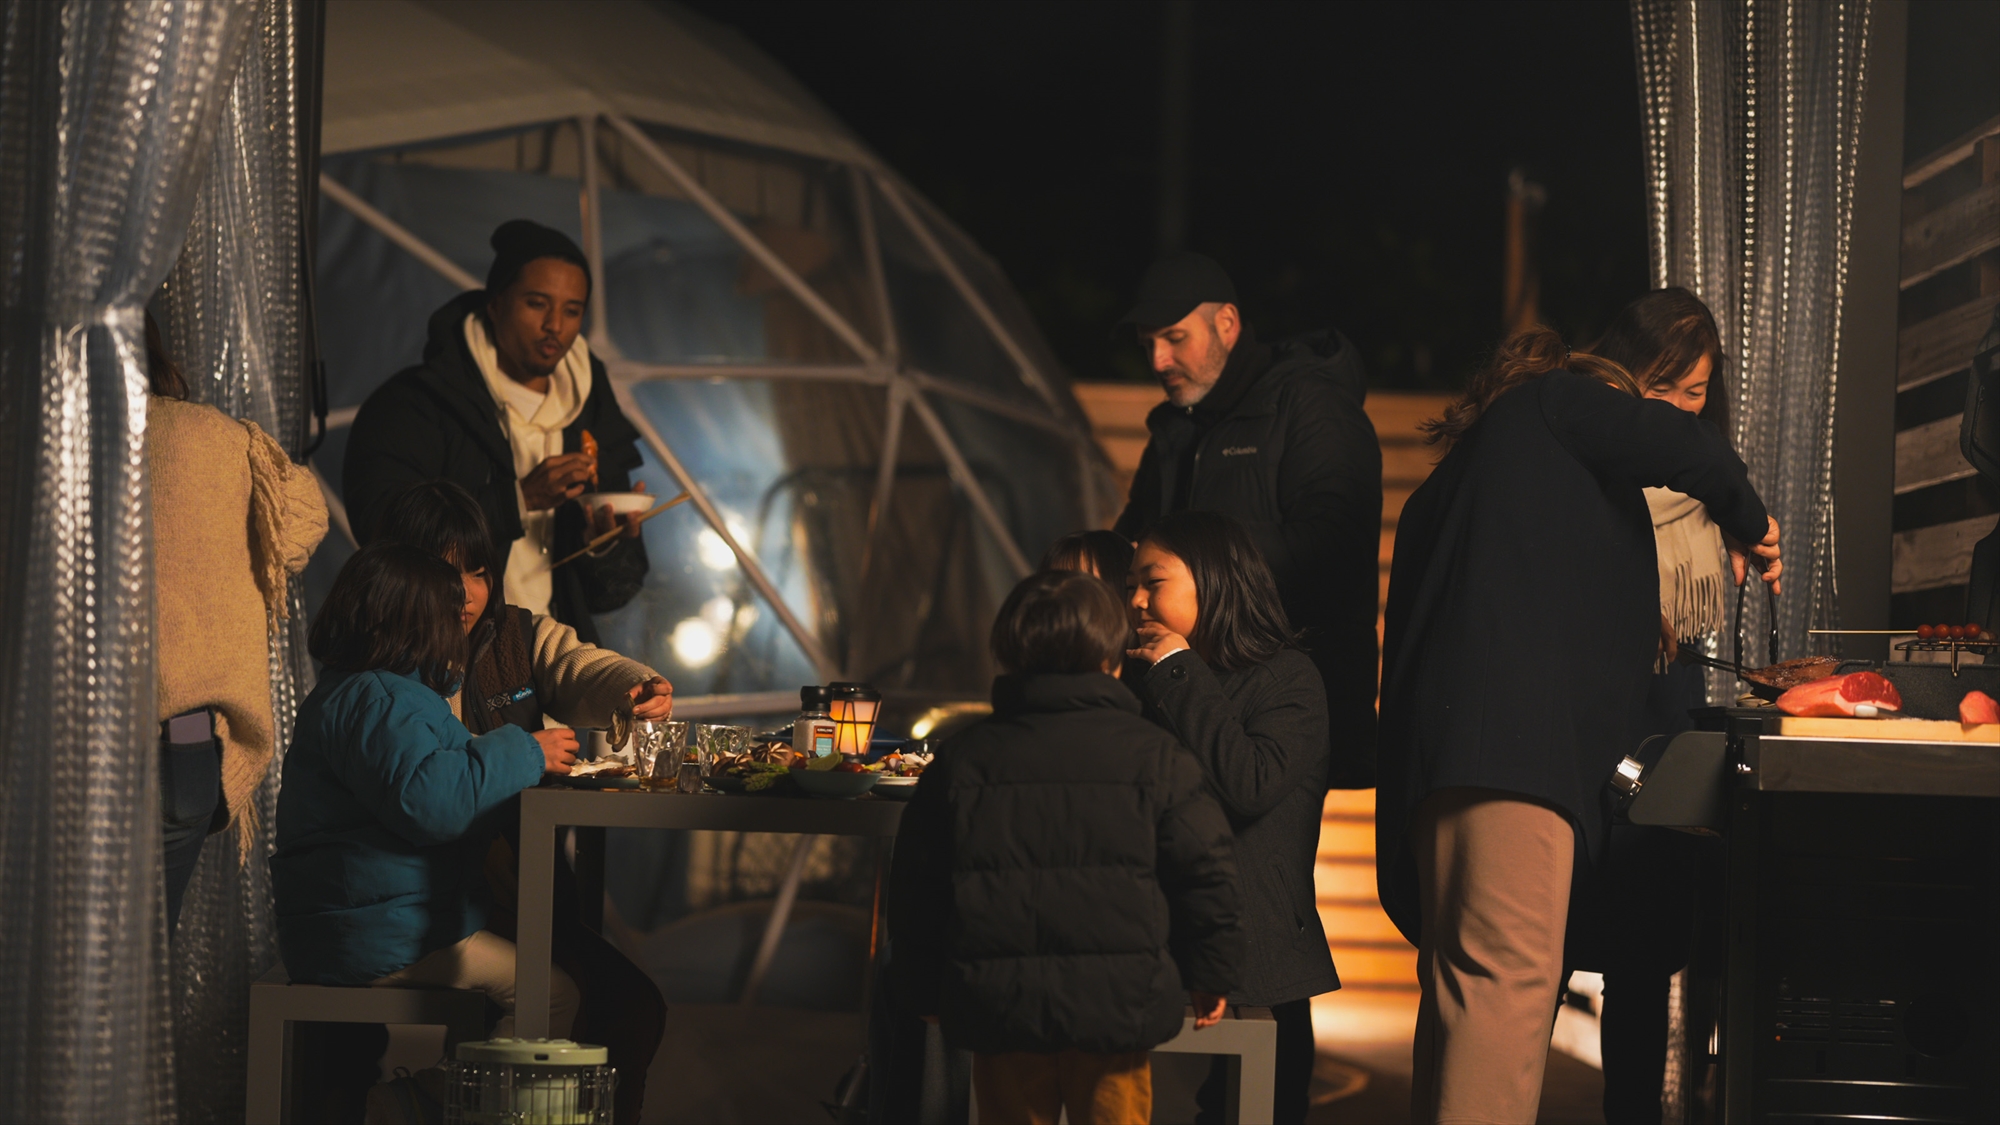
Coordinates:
<point>276,1004</point>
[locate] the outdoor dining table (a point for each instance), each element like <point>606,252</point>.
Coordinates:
<point>1248,1037</point>
<point>545,810</point>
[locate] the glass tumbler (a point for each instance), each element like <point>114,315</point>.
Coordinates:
<point>661,745</point>
<point>713,741</point>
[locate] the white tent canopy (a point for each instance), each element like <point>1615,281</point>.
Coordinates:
<point>403,72</point>
<point>648,106</point>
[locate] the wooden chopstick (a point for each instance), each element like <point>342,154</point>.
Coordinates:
<point>615,532</point>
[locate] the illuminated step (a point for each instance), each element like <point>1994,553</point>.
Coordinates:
<point>1371,964</point>
<point>1347,840</point>
<point>1358,923</point>
<point>1354,881</point>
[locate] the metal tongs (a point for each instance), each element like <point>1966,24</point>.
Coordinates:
<point>1689,655</point>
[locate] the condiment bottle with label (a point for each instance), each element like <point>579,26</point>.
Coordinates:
<point>813,734</point>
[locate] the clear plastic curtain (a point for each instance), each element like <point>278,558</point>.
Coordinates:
<point>231,314</point>
<point>1751,114</point>
<point>105,115</point>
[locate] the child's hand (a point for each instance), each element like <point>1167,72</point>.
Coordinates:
<point>558,748</point>
<point>1156,643</point>
<point>1207,1008</point>
<point>653,700</point>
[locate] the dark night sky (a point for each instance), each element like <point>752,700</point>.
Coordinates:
<point>1349,161</point>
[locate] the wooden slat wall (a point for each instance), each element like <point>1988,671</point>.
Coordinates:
<point>1950,288</point>
<point>1370,954</point>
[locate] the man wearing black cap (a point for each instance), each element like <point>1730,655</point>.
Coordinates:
<point>1275,436</point>
<point>501,403</point>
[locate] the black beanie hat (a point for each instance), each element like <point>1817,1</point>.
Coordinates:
<point>517,242</point>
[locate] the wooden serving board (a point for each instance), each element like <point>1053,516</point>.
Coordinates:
<point>1910,730</point>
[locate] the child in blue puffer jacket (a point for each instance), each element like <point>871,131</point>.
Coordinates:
<point>389,803</point>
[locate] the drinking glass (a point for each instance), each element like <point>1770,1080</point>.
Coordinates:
<point>714,740</point>
<point>660,745</point>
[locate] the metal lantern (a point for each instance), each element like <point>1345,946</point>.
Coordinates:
<point>530,1082</point>
<point>854,709</point>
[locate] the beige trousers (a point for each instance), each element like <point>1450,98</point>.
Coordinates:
<point>1493,873</point>
<point>484,962</point>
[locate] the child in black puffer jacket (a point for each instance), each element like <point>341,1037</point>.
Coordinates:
<point>1062,882</point>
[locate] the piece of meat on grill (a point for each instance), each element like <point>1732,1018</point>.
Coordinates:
<point>1978,707</point>
<point>1791,673</point>
<point>1840,695</point>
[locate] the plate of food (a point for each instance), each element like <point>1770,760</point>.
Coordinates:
<point>896,788</point>
<point>836,782</point>
<point>602,781</point>
<point>747,776</point>
<point>602,773</point>
<point>620,503</point>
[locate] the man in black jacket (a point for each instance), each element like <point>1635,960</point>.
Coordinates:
<point>501,405</point>
<point>1275,436</point>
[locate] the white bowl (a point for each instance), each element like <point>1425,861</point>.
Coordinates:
<point>621,503</point>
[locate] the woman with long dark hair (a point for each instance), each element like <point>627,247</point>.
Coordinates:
<point>1226,675</point>
<point>1523,618</point>
<point>389,803</point>
<point>520,667</point>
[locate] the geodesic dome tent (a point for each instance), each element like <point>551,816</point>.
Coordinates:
<point>876,438</point>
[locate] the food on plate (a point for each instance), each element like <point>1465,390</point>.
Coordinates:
<point>590,451</point>
<point>902,765</point>
<point>1792,673</point>
<point>756,776</point>
<point>1857,694</point>
<point>1978,707</point>
<point>602,767</point>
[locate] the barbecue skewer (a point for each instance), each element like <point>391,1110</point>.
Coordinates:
<point>1865,632</point>
<point>615,532</point>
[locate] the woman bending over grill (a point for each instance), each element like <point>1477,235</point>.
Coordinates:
<point>1522,624</point>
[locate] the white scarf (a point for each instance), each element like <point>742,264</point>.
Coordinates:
<point>534,438</point>
<point>1693,576</point>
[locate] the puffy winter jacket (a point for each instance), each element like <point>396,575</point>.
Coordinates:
<point>1283,445</point>
<point>438,421</point>
<point>1260,736</point>
<point>1061,878</point>
<point>386,813</point>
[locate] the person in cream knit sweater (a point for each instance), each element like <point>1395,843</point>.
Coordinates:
<point>233,520</point>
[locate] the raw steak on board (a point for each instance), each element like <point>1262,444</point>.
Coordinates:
<point>1840,695</point>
